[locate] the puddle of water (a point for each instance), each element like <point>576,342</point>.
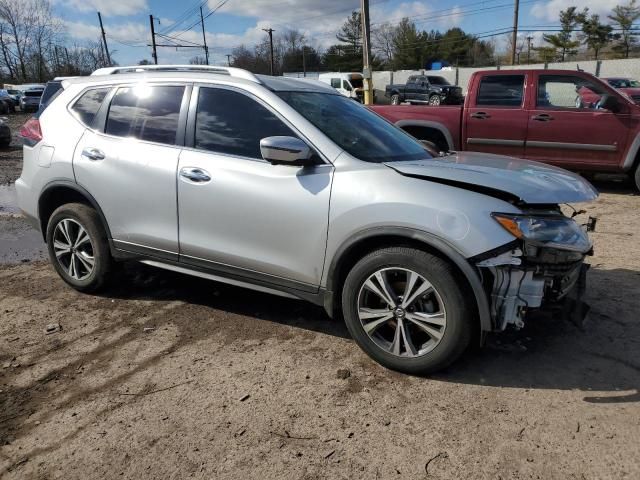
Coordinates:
<point>8,199</point>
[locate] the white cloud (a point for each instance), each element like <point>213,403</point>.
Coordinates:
<point>105,7</point>
<point>126,32</point>
<point>551,10</point>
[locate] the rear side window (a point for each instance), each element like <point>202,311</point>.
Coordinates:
<point>87,106</point>
<point>149,113</point>
<point>335,82</point>
<point>501,90</point>
<point>229,122</point>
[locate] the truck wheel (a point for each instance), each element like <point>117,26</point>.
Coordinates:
<point>407,310</point>
<point>395,99</point>
<point>78,247</point>
<point>435,100</point>
<point>637,177</point>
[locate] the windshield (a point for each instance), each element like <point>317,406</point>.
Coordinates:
<point>355,128</point>
<point>14,92</point>
<point>438,81</point>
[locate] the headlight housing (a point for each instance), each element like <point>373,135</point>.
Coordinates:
<point>554,231</point>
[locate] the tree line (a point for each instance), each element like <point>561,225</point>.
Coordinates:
<point>34,46</point>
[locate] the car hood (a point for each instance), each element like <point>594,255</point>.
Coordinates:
<point>503,177</point>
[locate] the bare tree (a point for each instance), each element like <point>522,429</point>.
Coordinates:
<point>382,41</point>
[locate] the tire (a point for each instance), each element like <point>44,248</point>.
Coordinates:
<point>636,177</point>
<point>395,99</point>
<point>64,225</point>
<point>450,327</point>
<point>435,100</point>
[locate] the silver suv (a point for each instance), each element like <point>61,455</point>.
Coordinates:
<point>285,186</point>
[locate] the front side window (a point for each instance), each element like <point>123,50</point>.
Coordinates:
<point>438,81</point>
<point>346,86</point>
<point>501,91</point>
<point>335,82</point>
<point>145,112</point>
<point>568,91</point>
<point>87,106</point>
<point>232,123</point>
<point>354,128</point>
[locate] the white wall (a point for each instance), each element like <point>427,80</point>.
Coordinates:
<point>608,68</point>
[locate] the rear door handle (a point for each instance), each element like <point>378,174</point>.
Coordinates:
<point>480,115</point>
<point>93,154</point>
<point>543,117</point>
<point>195,174</point>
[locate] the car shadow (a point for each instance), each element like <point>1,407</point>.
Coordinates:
<point>620,184</point>
<point>600,356</point>
<point>549,353</point>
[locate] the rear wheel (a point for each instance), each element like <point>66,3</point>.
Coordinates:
<point>78,247</point>
<point>435,100</point>
<point>406,309</point>
<point>395,99</point>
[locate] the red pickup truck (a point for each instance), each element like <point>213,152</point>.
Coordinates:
<point>566,118</point>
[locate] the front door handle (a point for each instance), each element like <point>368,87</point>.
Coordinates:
<point>543,117</point>
<point>93,154</point>
<point>480,115</point>
<point>195,174</point>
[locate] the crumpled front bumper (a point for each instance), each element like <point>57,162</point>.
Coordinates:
<point>524,278</point>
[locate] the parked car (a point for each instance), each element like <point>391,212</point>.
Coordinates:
<point>348,84</point>
<point>421,89</point>
<point>626,85</point>
<point>5,133</point>
<point>546,121</point>
<point>288,187</point>
<point>7,102</point>
<point>30,101</point>
<point>15,94</point>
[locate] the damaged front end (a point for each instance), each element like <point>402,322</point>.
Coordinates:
<point>543,268</point>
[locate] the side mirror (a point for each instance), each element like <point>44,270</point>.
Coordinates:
<point>609,102</point>
<point>285,151</point>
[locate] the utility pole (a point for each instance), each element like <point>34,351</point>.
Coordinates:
<point>204,37</point>
<point>304,63</point>
<point>228,59</point>
<point>270,32</point>
<point>153,40</point>
<point>104,39</point>
<point>514,38</point>
<point>366,52</point>
<point>529,38</point>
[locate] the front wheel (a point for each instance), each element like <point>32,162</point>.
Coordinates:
<point>395,99</point>
<point>407,310</point>
<point>636,177</point>
<point>435,100</point>
<point>78,247</point>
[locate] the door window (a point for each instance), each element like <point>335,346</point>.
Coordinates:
<point>501,90</point>
<point>568,91</point>
<point>346,86</point>
<point>335,82</point>
<point>232,123</point>
<point>87,106</point>
<point>149,113</point>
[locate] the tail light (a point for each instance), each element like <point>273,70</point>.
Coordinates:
<point>31,132</point>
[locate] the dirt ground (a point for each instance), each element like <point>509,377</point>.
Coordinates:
<point>169,377</point>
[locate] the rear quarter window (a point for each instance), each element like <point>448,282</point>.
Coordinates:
<point>87,106</point>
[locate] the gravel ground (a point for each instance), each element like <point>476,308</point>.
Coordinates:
<point>11,156</point>
<point>168,376</point>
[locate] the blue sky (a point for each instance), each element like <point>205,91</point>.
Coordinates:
<point>240,22</point>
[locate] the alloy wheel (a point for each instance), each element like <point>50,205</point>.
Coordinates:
<point>73,249</point>
<point>401,312</point>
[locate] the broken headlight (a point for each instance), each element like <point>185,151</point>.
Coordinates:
<point>554,231</point>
